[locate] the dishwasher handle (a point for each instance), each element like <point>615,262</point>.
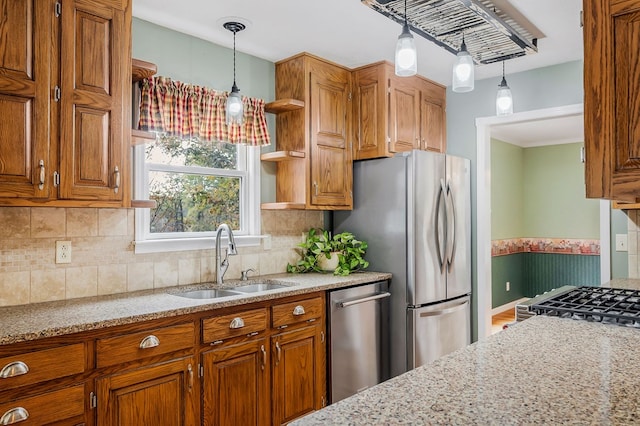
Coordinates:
<point>343,304</point>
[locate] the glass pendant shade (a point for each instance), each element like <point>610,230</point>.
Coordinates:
<point>504,100</point>
<point>406,55</point>
<point>463,71</point>
<point>234,109</point>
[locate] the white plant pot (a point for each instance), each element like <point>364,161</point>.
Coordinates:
<point>328,265</point>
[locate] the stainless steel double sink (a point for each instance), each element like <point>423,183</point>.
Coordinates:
<point>208,293</point>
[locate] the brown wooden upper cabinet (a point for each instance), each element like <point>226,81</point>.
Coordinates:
<point>313,128</point>
<point>63,104</point>
<point>612,99</point>
<point>395,114</point>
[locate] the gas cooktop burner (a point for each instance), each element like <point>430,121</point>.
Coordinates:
<point>607,305</point>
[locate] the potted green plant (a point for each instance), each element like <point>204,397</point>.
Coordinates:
<point>340,254</point>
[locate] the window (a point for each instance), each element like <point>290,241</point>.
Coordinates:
<point>197,186</point>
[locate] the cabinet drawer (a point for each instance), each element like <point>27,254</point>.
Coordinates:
<point>135,346</point>
<point>39,366</point>
<point>47,408</point>
<point>295,312</point>
<point>233,325</point>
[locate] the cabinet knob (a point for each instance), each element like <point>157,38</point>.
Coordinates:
<point>14,416</point>
<point>237,322</point>
<point>13,369</point>
<point>299,310</point>
<point>150,341</point>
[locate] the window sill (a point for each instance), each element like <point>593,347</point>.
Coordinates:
<point>184,244</point>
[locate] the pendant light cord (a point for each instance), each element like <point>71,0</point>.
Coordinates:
<point>405,12</point>
<point>234,58</point>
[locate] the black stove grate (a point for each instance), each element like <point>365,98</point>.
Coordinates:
<point>599,304</point>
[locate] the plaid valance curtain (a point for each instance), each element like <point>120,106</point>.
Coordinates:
<point>191,111</point>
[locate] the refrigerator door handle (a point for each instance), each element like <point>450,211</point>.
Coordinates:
<point>445,311</point>
<point>441,256</point>
<point>344,304</point>
<point>452,221</point>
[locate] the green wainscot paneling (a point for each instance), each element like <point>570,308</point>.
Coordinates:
<point>546,271</point>
<point>507,268</point>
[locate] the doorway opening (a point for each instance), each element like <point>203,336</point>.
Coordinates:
<point>485,128</point>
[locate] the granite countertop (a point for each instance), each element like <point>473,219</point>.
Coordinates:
<point>40,320</point>
<point>545,370</point>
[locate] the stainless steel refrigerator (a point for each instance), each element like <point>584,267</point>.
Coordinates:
<point>414,212</point>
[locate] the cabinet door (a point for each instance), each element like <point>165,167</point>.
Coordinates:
<point>298,373</point>
<point>94,68</point>
<point>404,105</point>
<point>25,62</point>
<point>236,385</point>
<point>160,395</point>
<point>612,99</point>
<point>370,112</point>
<point>432,126</point>
<point>331,161</point>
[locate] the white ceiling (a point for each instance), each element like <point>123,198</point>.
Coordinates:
<point>350,33</point>
<point>550,131</point>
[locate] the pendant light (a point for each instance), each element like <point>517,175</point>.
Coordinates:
<point>234,110</point>
<point>504,100</point>
<point>463,70</point>
<point>406,55</point>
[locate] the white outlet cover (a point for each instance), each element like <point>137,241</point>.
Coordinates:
<point>622,242</point>
<point>63,251</point>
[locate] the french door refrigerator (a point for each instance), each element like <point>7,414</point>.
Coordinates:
<point>413,210</point>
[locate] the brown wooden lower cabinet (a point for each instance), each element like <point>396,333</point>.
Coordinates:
<point>162,394</point>
<point>298,373</point>
<point>235,384</point>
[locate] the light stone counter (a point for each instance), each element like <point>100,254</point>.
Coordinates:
<point>541,371</point>
<point>40,320</point>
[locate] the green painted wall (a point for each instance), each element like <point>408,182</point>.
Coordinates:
<point>555,205</point>
<point>507,166</point>
<point>196,61</point>
<point>507,268</point>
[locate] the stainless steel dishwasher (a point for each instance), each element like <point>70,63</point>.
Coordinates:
<point>358,338</point>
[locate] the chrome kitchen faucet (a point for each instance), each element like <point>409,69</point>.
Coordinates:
<point>223,265</point>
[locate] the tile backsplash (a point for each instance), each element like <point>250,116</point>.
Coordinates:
<point>633,233</point>
<point>103,260</point>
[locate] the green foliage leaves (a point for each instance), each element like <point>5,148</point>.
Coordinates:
<point>350,252</point>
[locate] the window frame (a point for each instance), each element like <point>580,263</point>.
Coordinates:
<point>248,170</point>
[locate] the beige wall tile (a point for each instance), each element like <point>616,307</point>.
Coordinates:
<point>633,266</point>
<point>47,285</point>
<point>140,276</point>
<point>165,273</point>
<point>82,222</point>
<point>81,282</point>
<point>251,261</point>
<point>112,279</point>
<point>188,271</point>
<point>16,222</point>
<point>47,222</point>
<point>207,269</point>
<point>112,222</point>
<point>15,288</point>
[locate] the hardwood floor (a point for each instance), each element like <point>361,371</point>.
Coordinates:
<point>502,318</point>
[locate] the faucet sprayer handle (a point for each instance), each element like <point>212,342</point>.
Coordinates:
<point>232,248</point>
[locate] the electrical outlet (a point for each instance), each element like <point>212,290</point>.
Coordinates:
<point>63,251</point>
<point>266,242</point>
<point>508,286</point>
<point>621,242</point>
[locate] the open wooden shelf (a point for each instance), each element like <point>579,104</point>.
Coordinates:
<point>144,204</point>
<point>283,206</point>
<point>138,137</point>
<point>283,105</point>
<point>142,69</point>
<point>277,156</point>
<point>626,206</point>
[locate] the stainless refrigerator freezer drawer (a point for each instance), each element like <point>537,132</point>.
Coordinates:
<point>358,338</point>
<point>436,330</point>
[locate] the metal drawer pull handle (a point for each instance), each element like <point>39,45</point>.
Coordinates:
<point>237,322</point>
<point>364,299</point>
<point>150,341</point>
<point>41,183</point>
<point>13,416</point>
<point>264,357</point>
<point>13,369</point>
<point>299,310</point>
<point>279,352</point>
<point>116,187</point>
